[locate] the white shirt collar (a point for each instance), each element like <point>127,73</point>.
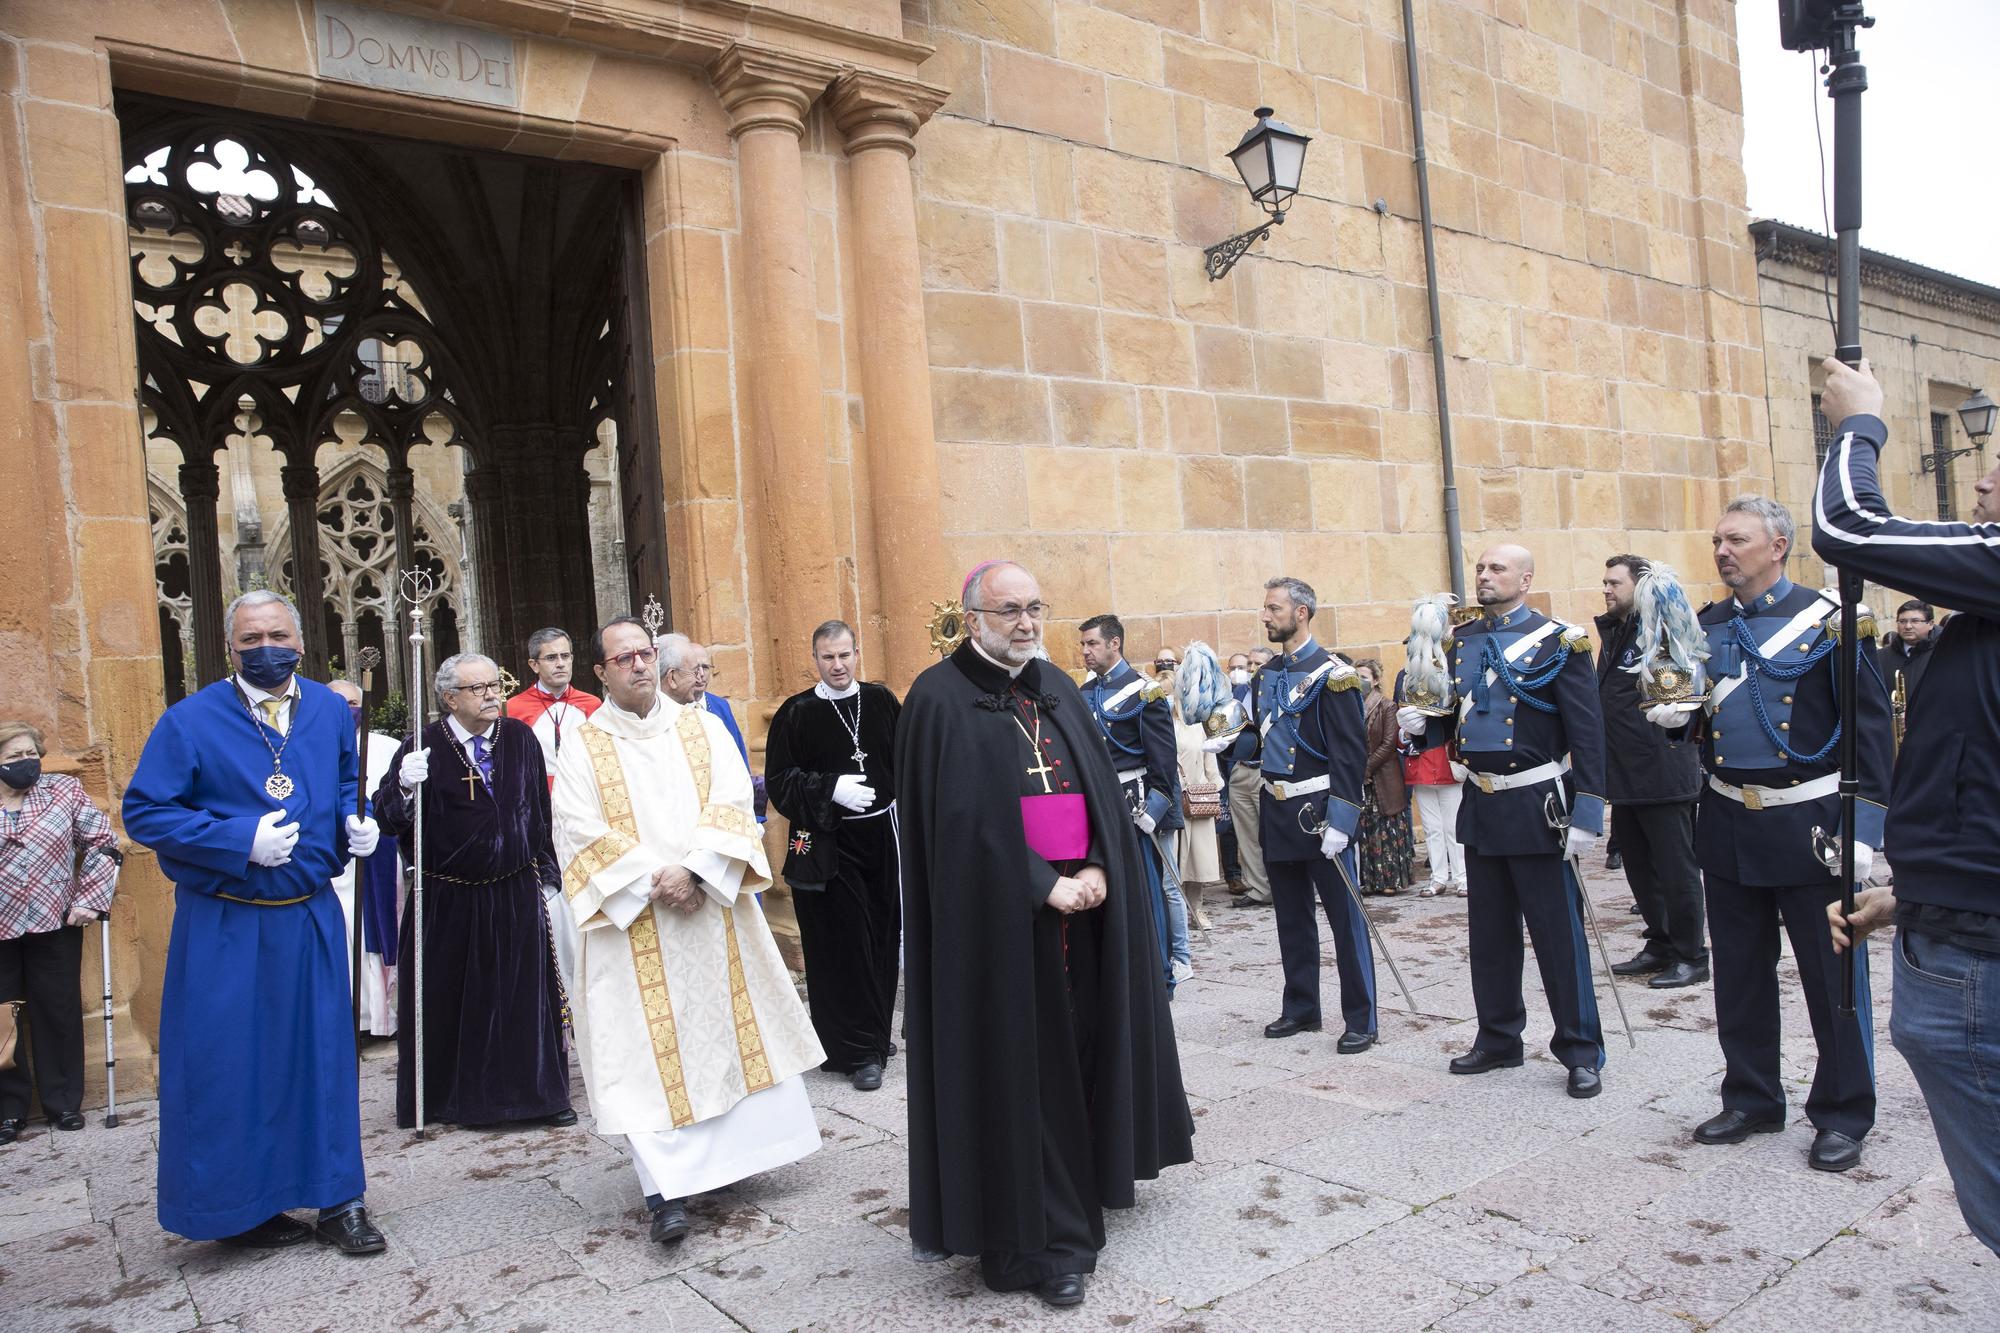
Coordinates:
<point>853,688</point>
<point>549,692</point>
<point>1013,672</point>
<point>257,696</point>
<point>460,734</point>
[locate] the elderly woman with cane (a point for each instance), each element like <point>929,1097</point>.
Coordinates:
<point>47,826</point>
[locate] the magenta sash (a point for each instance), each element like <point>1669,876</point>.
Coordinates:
<point>1058,826</point>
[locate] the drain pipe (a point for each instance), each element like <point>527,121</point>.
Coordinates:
<point>1454,538</point>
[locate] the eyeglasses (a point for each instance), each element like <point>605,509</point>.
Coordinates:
<point>488,687</point>
<point>1012,613</point>
<point>702,669</point>
<point>556,657</point>
<point>624,661</point>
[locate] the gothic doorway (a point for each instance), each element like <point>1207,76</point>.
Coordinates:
<point>422,356</point>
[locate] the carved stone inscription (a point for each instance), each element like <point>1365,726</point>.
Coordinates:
<point>415,55</point>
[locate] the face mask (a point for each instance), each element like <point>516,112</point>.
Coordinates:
<point>1239,677</point>
<point>267,667</point>
<point>21,774</point>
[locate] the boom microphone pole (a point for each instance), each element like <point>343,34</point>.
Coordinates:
<point>1811,25</point>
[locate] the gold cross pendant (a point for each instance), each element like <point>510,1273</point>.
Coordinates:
<point>471,781</point>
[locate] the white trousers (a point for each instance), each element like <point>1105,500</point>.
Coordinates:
<point>1437,807</point>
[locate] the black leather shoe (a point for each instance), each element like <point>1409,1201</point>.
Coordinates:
<point>1614,861</point>
<point>1680,974</point>
<point>1733,1127</point>
<point>10,1130</point>
<point>1584,1083</point>
<point>1833,1151</point>
<point>70,1121</point>
<point>351,1233</point>
<point>561,1119</point>
<point>1064,1289</point>
<point>1354,1043</point>
<point>1639,964</point>
<point>1291,1027</point>
<point>867,1078</point>
<point>670,1222</point>
<point>272,1234</point>
<point>1476,1061</point>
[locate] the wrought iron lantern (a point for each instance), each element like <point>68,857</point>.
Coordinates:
<point>1270,159</point>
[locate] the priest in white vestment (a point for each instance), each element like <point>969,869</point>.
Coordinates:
<point>692,1038</point>
<point>378,1015</point>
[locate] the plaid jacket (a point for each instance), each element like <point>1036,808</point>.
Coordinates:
<point>38,854</point>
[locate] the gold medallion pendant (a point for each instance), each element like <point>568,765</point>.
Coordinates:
<point>279,786</point>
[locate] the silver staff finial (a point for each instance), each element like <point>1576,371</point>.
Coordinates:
<point>654,617</point>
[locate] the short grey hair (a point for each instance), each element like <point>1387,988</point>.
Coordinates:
<point>833,629</point>
<point>542,638</point>
<point>674,650</point>
<point>261,597</point>
<point>1299,591</point>
<point>1777,518</point>
<point>447,672</point>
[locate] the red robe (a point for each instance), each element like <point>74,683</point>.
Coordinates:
<point>553,719</point>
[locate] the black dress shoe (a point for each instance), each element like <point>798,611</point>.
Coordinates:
<point>1584,1083</point>
<point>1733,1127</point>
<point>1680,974</point>
<point>10,1130</point>
<point>351,1233</point>
<point>1614,861</point>
<point>272,1234</point>
<point>68,1120</point>
<point>1639,964</point>
<point>561,1119</point>
<point>1291,1027</point>
<point>1353,1043</point>
<point>1476,1061</point>
<point>1833,1151</point>
<point>1064,1289</point>
<point>670,1222</point>
<point>867,1078</point>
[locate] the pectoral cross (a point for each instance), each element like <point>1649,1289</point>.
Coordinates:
<point>471,781</point>
<point>1042,771</point>
<point>860,756</point>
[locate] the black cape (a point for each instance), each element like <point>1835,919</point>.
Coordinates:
<point>987,1003</point>
<point>493,1045</point>
<point>805,753</point>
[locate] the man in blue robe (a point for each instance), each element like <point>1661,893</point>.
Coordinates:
<point>246,793</point>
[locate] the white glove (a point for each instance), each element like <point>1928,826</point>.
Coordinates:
<point>1217,745</point>
<point>1412,722</point>
<point>1332,842</point>
<point>1864,864</point>
<point>1666,715</point>
<point>273,841</point>
<point>851,791</point>
<point>1579,842</point>
<point>1145,822</point>
<point>416,767</point>
<point>362,835</point>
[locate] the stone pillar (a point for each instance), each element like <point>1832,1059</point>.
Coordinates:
<point>879,117</point>
<point>767,95</point>
<point>301,482</point>
<point>529,497</point>
<point>401,486</point>
<point>201,488</point>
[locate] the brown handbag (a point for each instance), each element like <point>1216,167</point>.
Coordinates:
<point>1202,800</point>
<point>10,1030</point>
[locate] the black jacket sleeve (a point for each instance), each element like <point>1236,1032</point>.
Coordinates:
<point>803,796</point>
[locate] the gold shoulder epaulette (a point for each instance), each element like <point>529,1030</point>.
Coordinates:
<point>1349,679</point>
<point>1576,639</point>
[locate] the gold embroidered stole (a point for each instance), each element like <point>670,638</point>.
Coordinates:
<point>648,962</point>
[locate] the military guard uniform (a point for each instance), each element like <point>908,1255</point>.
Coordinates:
<point>1139,733</point>
<point>1307,731</point>
<point>1528,727</point>
<point>1770,739</point>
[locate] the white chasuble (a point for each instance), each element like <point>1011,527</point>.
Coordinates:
<point>680,1016</point>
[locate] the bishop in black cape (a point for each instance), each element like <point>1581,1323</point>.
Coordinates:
<point>1043,1078</point>
<point>493,1041</point>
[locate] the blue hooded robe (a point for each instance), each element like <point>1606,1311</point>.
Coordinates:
<point>259,1105</point>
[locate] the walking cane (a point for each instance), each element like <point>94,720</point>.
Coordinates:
<point>1559,821</point>
<point>367,659</point>
<point>110,1038</point>
<point>418,589</point>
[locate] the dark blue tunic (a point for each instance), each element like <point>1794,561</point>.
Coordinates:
<point>259,1109</point>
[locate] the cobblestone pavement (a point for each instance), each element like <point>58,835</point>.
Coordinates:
<point>1373,1192</point>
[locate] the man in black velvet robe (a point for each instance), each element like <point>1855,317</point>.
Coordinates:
<point>829,770</point>
<point>1043,1075</point>
<point>493,1041</point>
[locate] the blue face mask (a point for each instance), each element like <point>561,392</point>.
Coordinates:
<point>268,667</point>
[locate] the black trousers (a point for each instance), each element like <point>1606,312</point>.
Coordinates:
<point>44,969</point>
<point>1502,893</point>
<point>849,931</point>
<point>1658,845</point>
<point>1745,919</point>
<point>1294,886</point>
